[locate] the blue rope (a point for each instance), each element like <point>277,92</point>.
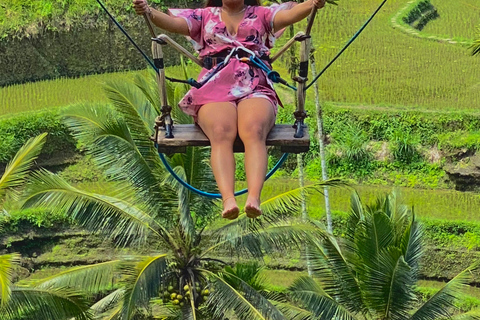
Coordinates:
<point>215,195</point>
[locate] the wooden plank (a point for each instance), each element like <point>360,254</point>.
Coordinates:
<point>189,135</point>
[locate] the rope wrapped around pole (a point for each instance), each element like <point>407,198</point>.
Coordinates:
<point>301,79</point>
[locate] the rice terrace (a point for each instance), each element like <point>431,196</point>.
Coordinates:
<point>379,219</point>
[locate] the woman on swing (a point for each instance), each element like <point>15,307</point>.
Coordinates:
<point>238,98</point>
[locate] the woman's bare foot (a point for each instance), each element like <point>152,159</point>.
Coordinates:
<point>230,209</point>
<point>252,208</point>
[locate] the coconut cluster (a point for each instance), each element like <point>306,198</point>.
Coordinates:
<point>180,297</point>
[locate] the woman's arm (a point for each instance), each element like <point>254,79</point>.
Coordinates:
<point>160,19</point>
<point>285,18</point>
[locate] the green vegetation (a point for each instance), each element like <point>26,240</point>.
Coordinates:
<point>26,18</point>
<point>372,273</point>
<point>55,93</point>
<point>19,302</point>
<point>144,205</point>
<point>385,67</point>
<point>15,131</point>
<point>404,90</point>
<point>456,19</point>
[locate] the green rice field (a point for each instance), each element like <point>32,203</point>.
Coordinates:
<point>55,93</point>
<point>387,67</point>
<point>384,67</point>
<point>455,20</point>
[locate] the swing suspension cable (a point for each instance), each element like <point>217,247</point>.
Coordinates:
<point>165,162</point>
<point>346,45</point>
<point>190,82</point>
<point>274,76</point>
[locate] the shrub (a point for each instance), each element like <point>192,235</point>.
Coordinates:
<point>15,131</point>
<point>351,141</point>
<point>404,146</point>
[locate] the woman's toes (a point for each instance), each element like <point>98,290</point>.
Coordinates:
<point>231,213</point>
<point>253,211</point>
<point>230,209</point>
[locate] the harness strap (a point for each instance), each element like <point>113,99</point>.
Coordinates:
<point>271,74</point>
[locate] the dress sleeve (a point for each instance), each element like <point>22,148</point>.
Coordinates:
<point>194,19</point>
<point>269,15</point>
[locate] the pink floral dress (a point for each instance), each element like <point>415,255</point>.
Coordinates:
<point>237,80</point>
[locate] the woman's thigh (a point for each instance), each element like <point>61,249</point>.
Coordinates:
<point>256,117</point>
<point>218,121</point>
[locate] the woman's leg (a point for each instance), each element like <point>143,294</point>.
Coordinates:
<point>219,122</point>
<point>256,118</point>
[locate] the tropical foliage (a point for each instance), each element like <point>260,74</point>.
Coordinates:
<point>371,273</point>
<point>180,274</point>
<point>30,303</point>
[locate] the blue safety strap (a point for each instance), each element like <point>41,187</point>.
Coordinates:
<point>271,74</point>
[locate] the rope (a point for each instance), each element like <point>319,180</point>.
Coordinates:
<point>192,82</point>
<point>347,45</point>
<point>128,36</point>
<point>215,195</point>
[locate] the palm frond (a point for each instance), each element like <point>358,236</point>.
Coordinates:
<point>388,285</point>
<point>131,103</point>
<point>356,215</point>
<point>412,245</point>
<point>250,273</point>
<point>398,212</point>
<point>373,235</point>
<point>255,237</point>
<point>475,47</point>
<point>115,150</point>
<point>305,292</point>
<point>149,87</point>
<point>185,216</point>
<point>162,310</point>
<point>54,303</point>
<point>143,282</point>
<point>119,219</point>
<point>7,262</point>
<point>337,272</point>
<point>89,278</point>
<point>246,303</point>
<point>109,307</point>
<point>17,169</point>
<point>293,312</point>
<point>289,202</point>
<point>442,303</point>
<point>470,315</point>
<point>197,172</point>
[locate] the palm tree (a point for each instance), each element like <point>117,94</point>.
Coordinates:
<point>146,207</point>
<point>29,303</point>
<point>372,272</point>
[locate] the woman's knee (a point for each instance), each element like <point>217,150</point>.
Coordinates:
<point>253,132</point>
<point>222,133</point>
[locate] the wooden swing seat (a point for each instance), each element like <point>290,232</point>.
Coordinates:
<point>190,135</point>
